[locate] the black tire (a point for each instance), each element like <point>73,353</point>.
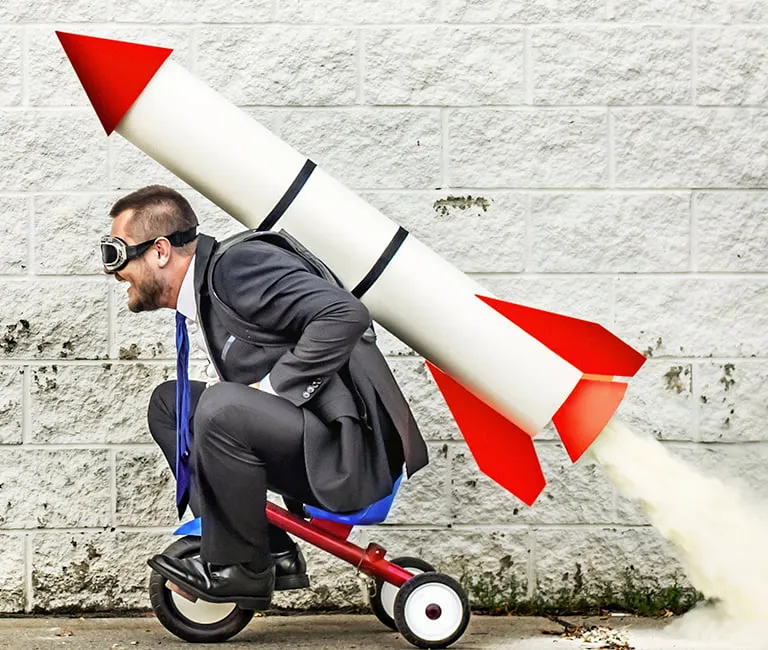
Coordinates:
<point>381,590</point>
<point>431,610</point>
<point>175,621</point>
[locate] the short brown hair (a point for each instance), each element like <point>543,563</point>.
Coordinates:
<point>158,211</point>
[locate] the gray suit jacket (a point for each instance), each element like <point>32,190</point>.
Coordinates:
<point>310,336</point>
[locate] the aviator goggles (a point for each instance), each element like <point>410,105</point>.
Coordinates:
<point>115,253</point>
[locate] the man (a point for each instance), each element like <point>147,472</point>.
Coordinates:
<point>305,405</point>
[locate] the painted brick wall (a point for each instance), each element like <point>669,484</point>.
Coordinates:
<point>602,158</point>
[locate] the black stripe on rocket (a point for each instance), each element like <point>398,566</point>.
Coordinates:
<point>381,263</point>
<point>292,192</point>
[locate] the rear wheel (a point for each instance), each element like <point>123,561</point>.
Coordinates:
<point>382,594</point>
<point>198,622</point>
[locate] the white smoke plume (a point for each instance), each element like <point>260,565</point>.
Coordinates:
<point>719,539</point>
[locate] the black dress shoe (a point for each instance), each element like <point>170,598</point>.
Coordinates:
<point>229,584</point>
<point>290,570</point>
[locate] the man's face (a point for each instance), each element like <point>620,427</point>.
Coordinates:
<point>145,289</point>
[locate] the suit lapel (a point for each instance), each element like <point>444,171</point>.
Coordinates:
<point>203,253</point>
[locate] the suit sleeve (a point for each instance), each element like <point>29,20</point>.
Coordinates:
<point>273,289</point>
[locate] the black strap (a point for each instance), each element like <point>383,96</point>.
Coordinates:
<point>287,198</point>
<point>181,238</point>
<point>381,263</point>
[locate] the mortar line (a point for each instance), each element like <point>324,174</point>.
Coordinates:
<point>587,24</point>
<point>497,189</point>
<point>609,10</point>
<point>28,593</point>
<point>392,357</point>
<point>79,446</point>
<point>449,450</point>
<point>24,67</point>
<point>110,165</point>
<point>693,225</point>
<point>528,235</point>
<point>90,529</point>
<point>610,152</point>
<point>531,527</point>
<point>113,486</point>
<point>111,10</point>
<point>55,276</point>
<point>377,528</point>
<point>111,324</point>
<point>694,65</point>
<point>147,529</point>
<point>656,275</point>
<point>534,526</point>
<point>275,10</point>
<point>614,510</point>
<point>692,444</point>
<point>695,414</point>
<point>30,235</point>
<point>531,573</point>
<point>92,363</point>
<point>444,147</point>
<point>528,83</point>
<point>360,61</point>
<point>519,107</point>
<point>26,403</point>
<point>193,43</point>
<point>544,275</point>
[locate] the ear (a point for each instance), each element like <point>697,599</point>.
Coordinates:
<point>161,250</point>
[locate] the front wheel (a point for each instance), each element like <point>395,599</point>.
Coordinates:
<point>431,610</point>
<point>198,622</point>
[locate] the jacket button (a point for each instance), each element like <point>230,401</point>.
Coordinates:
<point>311,389</point>
<point>305,395</point>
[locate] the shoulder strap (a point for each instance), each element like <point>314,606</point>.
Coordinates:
<point>235,324</point>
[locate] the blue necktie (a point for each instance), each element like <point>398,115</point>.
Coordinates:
<point>183,400</point>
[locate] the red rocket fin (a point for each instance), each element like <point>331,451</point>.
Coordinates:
<point>113,73</point>
<point>502,450</point>
<point>588,346</point>
<point>587,410</point>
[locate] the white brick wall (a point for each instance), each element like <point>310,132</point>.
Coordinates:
<point>603,158</point>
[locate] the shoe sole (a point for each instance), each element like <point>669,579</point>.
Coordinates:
<point>291,581</point>
<point>257,603</point>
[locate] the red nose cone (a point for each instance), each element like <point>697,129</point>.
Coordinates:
<point>113,73</point>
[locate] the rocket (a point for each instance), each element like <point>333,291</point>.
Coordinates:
<point>505,370</point>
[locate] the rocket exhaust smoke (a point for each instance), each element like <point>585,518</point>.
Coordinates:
<point>719,539</point>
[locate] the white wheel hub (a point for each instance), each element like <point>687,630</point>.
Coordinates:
<point>201,612</point>
<point>433,611</point>
<point>389,593</point>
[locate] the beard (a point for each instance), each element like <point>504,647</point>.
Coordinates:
<point>147,294</point>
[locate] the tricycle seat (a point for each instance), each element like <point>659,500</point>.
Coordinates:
<point>372,514</point>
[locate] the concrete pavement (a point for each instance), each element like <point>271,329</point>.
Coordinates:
<point>364,632</point>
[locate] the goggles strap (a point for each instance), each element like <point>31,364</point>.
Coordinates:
<point>184,237</point>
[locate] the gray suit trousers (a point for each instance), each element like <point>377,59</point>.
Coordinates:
<point>245,441</point>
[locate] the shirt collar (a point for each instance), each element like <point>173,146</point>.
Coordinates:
<point>186,304</point>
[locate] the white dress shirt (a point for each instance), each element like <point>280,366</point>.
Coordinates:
<point>186,305</point>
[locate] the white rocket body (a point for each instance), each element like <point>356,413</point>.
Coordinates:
<point>505,370</point>
<point>421,298</point>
